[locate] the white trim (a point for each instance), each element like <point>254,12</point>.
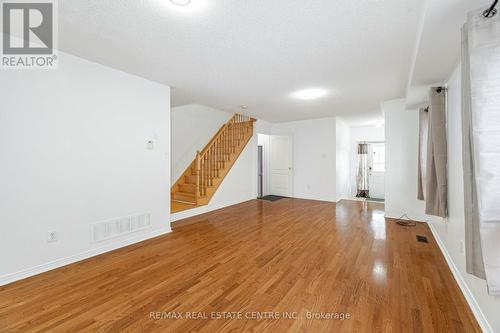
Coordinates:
<point>184,214</point>
<point>12,277</point>
<point>469,297</point>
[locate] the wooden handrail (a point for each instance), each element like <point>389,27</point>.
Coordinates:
<point>235,119</point>
<point>218,150</point>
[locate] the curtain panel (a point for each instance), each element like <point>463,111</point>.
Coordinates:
<point>436,184</point>
<point>363,172</point>
<point>423,129</point>
<point>483,37</point>
<point>473,252</point>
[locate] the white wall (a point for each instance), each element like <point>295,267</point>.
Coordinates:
<point>314,161</point>
<point>401,151</point>
<point>358,134</point>
<point>192,127</point>
<point>343,157</point>
<point>73,152</point>
<point>451,232</point>
<point>263,127</point>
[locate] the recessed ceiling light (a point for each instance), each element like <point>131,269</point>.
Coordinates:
<point>188,7</point>
<point>181,2</point>
<point>311,93</point>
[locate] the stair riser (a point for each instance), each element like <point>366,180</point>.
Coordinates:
<point>189,188</point>
<point>190,179</point>
<point>182,197</point>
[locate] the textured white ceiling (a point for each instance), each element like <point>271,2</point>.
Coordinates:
<point>232,52</point>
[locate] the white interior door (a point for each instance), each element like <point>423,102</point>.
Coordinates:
<point>376,163</point>
<point>281,174</point>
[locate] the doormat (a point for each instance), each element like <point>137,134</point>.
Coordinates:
<point>272,197</point>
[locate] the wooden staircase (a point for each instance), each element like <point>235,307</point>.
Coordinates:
<point>196,186</point>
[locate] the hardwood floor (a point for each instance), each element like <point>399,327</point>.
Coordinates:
<point>292,256</point>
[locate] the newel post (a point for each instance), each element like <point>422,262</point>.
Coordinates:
<point>198,175</point>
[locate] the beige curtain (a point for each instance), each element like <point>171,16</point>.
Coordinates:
<point>436,180</point>
<point>473,252</point>
<point>483,36</point>
<point>422,151</point>
<point>362,177</point>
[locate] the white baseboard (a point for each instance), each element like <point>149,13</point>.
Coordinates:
<point>314,199</point>
<point>12,277</point>
<point>476,310</point>
<point>206,209</point>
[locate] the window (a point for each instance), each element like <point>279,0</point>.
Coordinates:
<point>378,158</point>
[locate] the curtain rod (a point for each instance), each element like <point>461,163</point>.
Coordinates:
<point>490,12</point>
<point>438,90</point>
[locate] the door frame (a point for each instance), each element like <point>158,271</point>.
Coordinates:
<point>260,171</point>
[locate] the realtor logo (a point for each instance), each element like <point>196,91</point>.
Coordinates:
<point>28,34</point>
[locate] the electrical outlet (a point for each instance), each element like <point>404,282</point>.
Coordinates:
<point>51,236</point>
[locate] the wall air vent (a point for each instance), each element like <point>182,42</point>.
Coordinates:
<point>118,227</point>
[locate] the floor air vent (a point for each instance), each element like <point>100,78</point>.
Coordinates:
<point>119,227</point>
<point>422,239</point>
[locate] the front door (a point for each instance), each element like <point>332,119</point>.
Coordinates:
<point>281,177</point>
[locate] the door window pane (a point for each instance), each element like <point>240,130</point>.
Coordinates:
<point>379,158</point>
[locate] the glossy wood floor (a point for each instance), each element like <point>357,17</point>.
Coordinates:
<point>290,256</point>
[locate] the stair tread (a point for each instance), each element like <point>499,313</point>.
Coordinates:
<point>185,193</point>
<point>184,202</point>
